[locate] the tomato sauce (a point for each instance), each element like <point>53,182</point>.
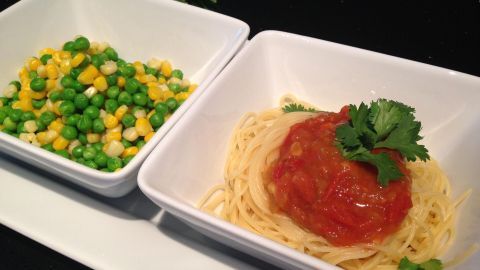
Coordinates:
<point>336,198</point>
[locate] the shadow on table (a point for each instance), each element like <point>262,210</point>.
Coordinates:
<point>133,204</point>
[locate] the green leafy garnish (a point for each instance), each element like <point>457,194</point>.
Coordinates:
<point>297,108</point>
<point>432,264</point>
<point>385,124</point>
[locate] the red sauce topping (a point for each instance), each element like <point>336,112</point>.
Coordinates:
<point>336,198</point>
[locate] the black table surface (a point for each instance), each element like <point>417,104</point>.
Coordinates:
<point>445,35</point>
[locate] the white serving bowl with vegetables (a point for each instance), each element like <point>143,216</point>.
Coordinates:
<point>329,76</point>
<point>89,98</point>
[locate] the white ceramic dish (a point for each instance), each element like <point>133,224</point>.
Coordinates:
<point>330,76</point>
<point>198,41</point>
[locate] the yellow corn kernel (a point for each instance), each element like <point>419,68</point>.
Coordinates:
<point>45,51</point>
<point>181,96</point>
<point>152,84</point>
<point>24,94</point>
<point>100,83</point>
<point>52,72</point>
<point>149,136</point>
<point>118,128</point>
<point>65,66</point>
<point>110,121</point>
<point>152,112</point>
<point>140,70</point>
<point>38,95</point>
<point>34,63</point>
<point>109,67</point>
<point>146,78</point>
<point>130,151</point>
<point>65,55</point>
<point>77,59</point>
<point>121,111</point>
<point>30,126</point>
<point>154,63</point>
<point>120,81</point>
<point>93,137</point>
<point>23,72</point>
<point>47,136</point>
<point>56,125</point>
<point>168,94</point>
<point>113,136</point>
<point>166,69</point>
<point>154,93</point>
<point>60,143</point>
<point>130,134</point>
<point>41,136</point>
<point>56,107</point>
<point>42,71</point>
<point>37,113</point>
<point>142,126</point>
<point>72,145</point>
<point>88,75</point>
<point>113,148</point>
<point>24,104</point>
<point>161,80</point>
<point>56,57</point>
<point>168,116</point>
<point>192,88</point>
<point>51,83</point>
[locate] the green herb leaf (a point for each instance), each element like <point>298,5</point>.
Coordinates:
<point>297,108</point>
<point>432,264</point>
<point>386,124</point>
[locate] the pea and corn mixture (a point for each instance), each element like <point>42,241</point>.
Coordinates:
<point>86,104</point>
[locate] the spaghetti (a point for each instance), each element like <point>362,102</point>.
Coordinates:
<point>426,232</point>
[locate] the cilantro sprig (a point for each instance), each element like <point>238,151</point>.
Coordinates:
<point>294,107</point>
<point>385,124</point>
<point>432,264</point>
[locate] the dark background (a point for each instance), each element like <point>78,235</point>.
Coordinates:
<point>445,35</point>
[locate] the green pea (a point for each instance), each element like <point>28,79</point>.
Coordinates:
<point>103,56</point>
<point>128,120</point>
<point>44,59</point>
<point>89,153</point>
<point>111,53</point>
<point>127,159</point>
<point>15,96</point>
<point>157,120</point>
<point>33,75</point>
<point>101,159</point>
<point>150,104</point>
<point>92,112</point>
<point>114,163</point>
<point>171,103</point>
<point>125,98</point>
<point>81,44</point>
<point>97,61</point>
<point>75,72</point>
<point>37,104</point>
<point>55,95</point>
<point>91,164</point>
<point>17,84</point>
<point>174,87</point>
<point>85,63</point>
<point>78,86</point>
<point>78,151</point>
<point>40,125</point>
<point>84,124</point>
<point>9,124</point>
<point>152,71</point>
<point>21,127</point>
<point>63,153</point>
<point>48,147</point>
<point>82,137</point>
<point>162,108</point>
<point>3,115</point>
<point>127,71</point>
<point>140,143</point>
<point>28,116</point>
<point>69,94</point>
<point>143,89</point>
<point>177,73</point>
<point>126,143</point>
<point>131,85</point>
<point>67,108</point>
<point>140,99</point>
<point>113,92</point>
<point>97,100</point>
<point>98,146</point>
<point>15,115</point>
<point>121,62</point>
<point>111,105</point>
<point>81,101</point>
<point>69,46</point>
<point>67,81</point>
<point>98,126</point>
<point>73,119</point>
<point>38,84</point>
<point>69,132</point>
<point>81,160</point>
<point>112,79</point>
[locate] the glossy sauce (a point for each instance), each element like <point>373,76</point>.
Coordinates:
<point>338,199</point>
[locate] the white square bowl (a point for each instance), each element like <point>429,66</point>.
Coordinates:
<point>330,76</point>
<point>198,41</point>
